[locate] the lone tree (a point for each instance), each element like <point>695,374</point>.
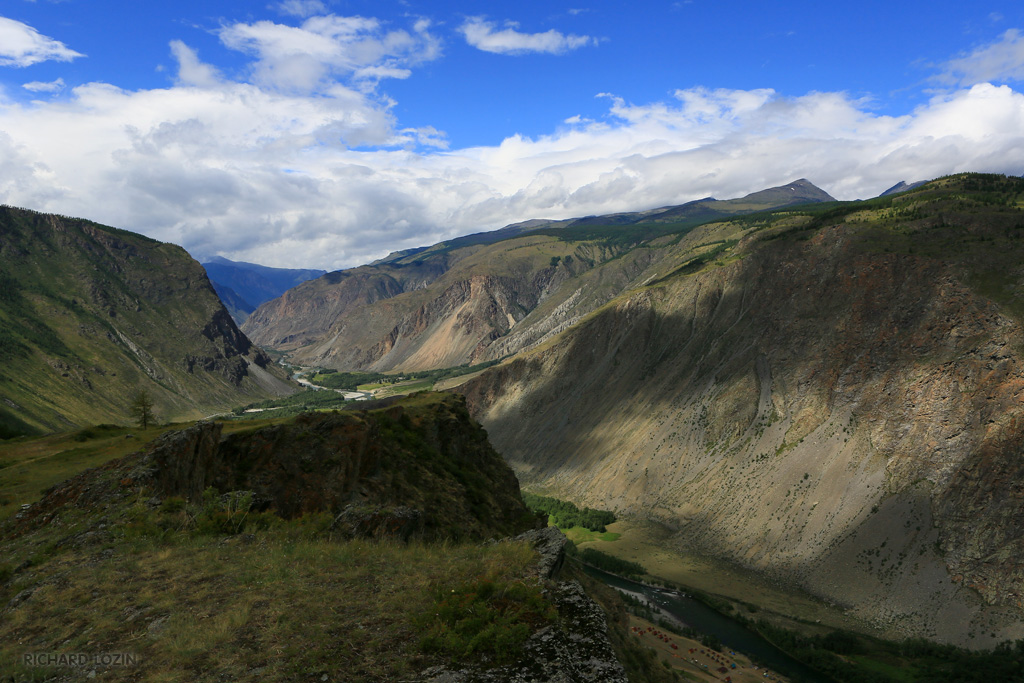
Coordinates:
<point>141,408</point>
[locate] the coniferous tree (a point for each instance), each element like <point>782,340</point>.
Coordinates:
<point>141,408</point>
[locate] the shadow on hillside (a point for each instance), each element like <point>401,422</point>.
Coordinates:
<point>887,337</point>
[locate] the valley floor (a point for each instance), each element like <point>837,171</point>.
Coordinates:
<point>652,545</point>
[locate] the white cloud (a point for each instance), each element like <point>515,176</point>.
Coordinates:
<point>22,45</point>
<point>301,8</point>
<point>41,86</point>
<point>191,71</point>
<point>309,57</point>
<point>268,177</point>
<point>328,178</point>
<point>1000,61</point>
<point>484,35</point>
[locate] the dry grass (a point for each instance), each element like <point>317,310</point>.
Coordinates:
<point>274,607</point>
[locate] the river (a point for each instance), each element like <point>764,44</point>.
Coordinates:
<point>733,634</point>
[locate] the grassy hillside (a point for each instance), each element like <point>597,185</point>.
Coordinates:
<point>90,314</point>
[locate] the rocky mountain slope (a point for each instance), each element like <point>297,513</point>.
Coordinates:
<point>90,314</point>
<point>833,399</point>
<point>484,296</point>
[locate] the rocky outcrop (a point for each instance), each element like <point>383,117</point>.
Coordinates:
<point>576,649</point>
<point>419,468</point>
<point>182,463</point>
<point>550,544</point>
<point>401,522</point>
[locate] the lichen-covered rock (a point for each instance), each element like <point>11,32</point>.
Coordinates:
<point>376,522</point>
<point>549,543</point>
<point>576,650</point>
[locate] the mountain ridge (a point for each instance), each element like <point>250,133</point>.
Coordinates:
<point>484,296</point>
<point>92,314</point>
<point>244,286</point>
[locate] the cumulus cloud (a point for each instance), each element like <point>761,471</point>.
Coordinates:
<point>191,71</point>
<point>324,176</point>
<point>308,57</point>
<point>484,35</point>
<point>1000,61</point>
<point>22,45</point>
<point>265,176</point>
<point>41,86</point>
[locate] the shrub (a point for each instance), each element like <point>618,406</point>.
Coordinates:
<point>227,514</point>
<point>485,617</point>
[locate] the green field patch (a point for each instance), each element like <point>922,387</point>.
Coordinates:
<point>579,534</point>
<point>894,672</point>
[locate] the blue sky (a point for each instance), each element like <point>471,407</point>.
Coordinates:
<point>322,133</point>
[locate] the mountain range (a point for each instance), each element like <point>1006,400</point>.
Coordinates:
<point>827,393</point>
<point>834,400</point>
<point>488,295</point>
<point>243,286</point>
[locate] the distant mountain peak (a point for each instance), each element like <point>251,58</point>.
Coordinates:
<point>902,186</point>
<point>798,191</point>
<point>244,286</point>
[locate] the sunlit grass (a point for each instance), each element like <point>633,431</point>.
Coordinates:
<point>30,466</point>
<point>579,534</point>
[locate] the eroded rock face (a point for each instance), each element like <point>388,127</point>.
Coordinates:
<point>184,463</point>
<point>775,409</point>
<point>397,471</point>
<point>483,296</point>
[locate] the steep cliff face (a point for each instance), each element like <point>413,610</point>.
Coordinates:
<point>91,314</point>
<point>484,296</point>
<point>308,312</point>
<point>837,403</point>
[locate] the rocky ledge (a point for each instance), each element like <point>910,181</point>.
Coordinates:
<point>576,649</point>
